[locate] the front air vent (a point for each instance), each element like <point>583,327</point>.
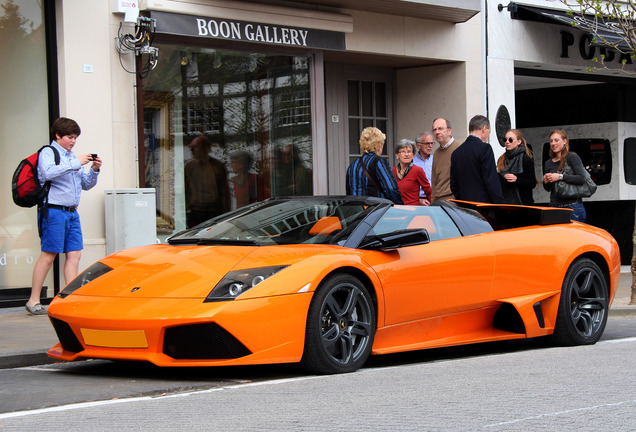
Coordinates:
<point>202,341</point>
<point>66,336</point>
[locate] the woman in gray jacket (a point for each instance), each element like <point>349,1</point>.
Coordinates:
<point>560,155</point>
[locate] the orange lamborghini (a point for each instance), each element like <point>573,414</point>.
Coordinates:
<point>327,281</point>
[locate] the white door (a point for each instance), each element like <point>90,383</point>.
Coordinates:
<point>356,97</point>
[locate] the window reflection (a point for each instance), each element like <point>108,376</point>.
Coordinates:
<point>254,109</point>
<point>24,108</point>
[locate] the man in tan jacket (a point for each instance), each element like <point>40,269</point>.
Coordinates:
<point>440,175</point>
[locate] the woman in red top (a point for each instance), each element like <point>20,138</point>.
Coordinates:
<point>410,178</point>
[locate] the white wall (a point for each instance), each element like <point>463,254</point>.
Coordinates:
<point>102,102</point>
<point>452,90</point>
<point>426,93</point>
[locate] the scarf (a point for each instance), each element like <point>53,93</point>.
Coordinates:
<point>402,174</point>
<point>515,161</point>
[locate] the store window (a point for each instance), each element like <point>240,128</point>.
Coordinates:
<point>223,129</point>
<point>24,120</point>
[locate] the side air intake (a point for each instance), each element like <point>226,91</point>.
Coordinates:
<point>508,319</point>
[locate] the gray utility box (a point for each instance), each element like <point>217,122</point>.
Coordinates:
<point>130,218</point>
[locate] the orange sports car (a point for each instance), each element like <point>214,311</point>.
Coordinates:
<point>327,281</point>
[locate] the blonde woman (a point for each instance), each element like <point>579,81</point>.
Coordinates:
<point>560,155</point>
<point>516,170</point>
<point>371,175</point>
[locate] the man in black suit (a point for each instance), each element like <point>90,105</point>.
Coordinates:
<point>473,169</point>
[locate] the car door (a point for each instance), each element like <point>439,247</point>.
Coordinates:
<point>448,275</point>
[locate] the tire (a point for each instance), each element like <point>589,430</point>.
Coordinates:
<point>341,325</point>
<point>583,307</point>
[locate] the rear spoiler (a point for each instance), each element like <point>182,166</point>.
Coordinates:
<point>506,216</point>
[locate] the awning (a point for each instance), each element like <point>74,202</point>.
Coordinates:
<point>606,29</point>
<point>455,11</point>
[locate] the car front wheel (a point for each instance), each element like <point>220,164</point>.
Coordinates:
<point>341,326</point>
<point>583,307</point>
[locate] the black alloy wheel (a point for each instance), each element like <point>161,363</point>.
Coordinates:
<point>583,307</point>
<point>341,326</point>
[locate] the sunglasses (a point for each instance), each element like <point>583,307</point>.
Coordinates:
<point>510,140</point>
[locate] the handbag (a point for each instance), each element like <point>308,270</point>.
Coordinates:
<point>568,191</point>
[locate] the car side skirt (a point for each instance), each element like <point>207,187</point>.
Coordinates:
<point>506,319</point>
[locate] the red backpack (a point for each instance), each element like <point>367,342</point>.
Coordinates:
<point>26,187</point>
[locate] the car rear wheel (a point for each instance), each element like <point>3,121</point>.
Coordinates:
<point>583,307</point>
<point>340,326</point>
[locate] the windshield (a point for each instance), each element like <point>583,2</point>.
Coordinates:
<point>283,221</point>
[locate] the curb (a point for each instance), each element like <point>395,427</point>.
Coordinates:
<point>25,360</point>
<point>622,312</point>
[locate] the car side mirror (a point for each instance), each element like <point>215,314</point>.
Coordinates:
<point>396,239</point>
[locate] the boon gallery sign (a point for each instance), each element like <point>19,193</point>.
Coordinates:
<point>244,31</point>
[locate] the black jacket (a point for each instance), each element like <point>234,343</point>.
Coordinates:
<point>526,181</point>
<point>474,174</point>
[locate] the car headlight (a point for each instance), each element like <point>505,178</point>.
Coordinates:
<point>236,283</point>
<point>93,272</point>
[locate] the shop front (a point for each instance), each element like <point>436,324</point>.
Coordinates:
<point>225,102</point>
<point>278,107</point>
<point>547,79</point>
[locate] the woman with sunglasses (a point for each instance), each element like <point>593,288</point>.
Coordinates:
<point>516,170</point>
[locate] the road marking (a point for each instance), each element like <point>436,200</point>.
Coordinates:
<point>555,414</point>
<point>81,405</point>
<point>629,339</point>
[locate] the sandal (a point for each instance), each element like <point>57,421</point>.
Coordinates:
<point>37,309</point>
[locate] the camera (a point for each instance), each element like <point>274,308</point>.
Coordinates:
<point>93,156</point>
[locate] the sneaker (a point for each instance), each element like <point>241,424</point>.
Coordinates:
<point>37,309</point>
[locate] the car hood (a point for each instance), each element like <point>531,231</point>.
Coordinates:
<point>164,271</point>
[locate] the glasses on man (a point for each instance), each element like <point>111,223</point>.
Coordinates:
<point>427,143</point>
<point>405,151</point>
<point>439,129</point>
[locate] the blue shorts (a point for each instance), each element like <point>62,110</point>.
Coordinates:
<point>61,232</point>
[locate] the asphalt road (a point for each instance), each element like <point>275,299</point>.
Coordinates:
<point>501,386</point>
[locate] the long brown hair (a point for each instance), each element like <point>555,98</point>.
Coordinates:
<point>566,148</point>
<point>502,162</point>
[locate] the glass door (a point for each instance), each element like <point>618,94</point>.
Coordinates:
<point>355,98</point>
<point>367,106</point>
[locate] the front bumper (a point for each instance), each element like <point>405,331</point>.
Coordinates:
<point>181,332</point>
